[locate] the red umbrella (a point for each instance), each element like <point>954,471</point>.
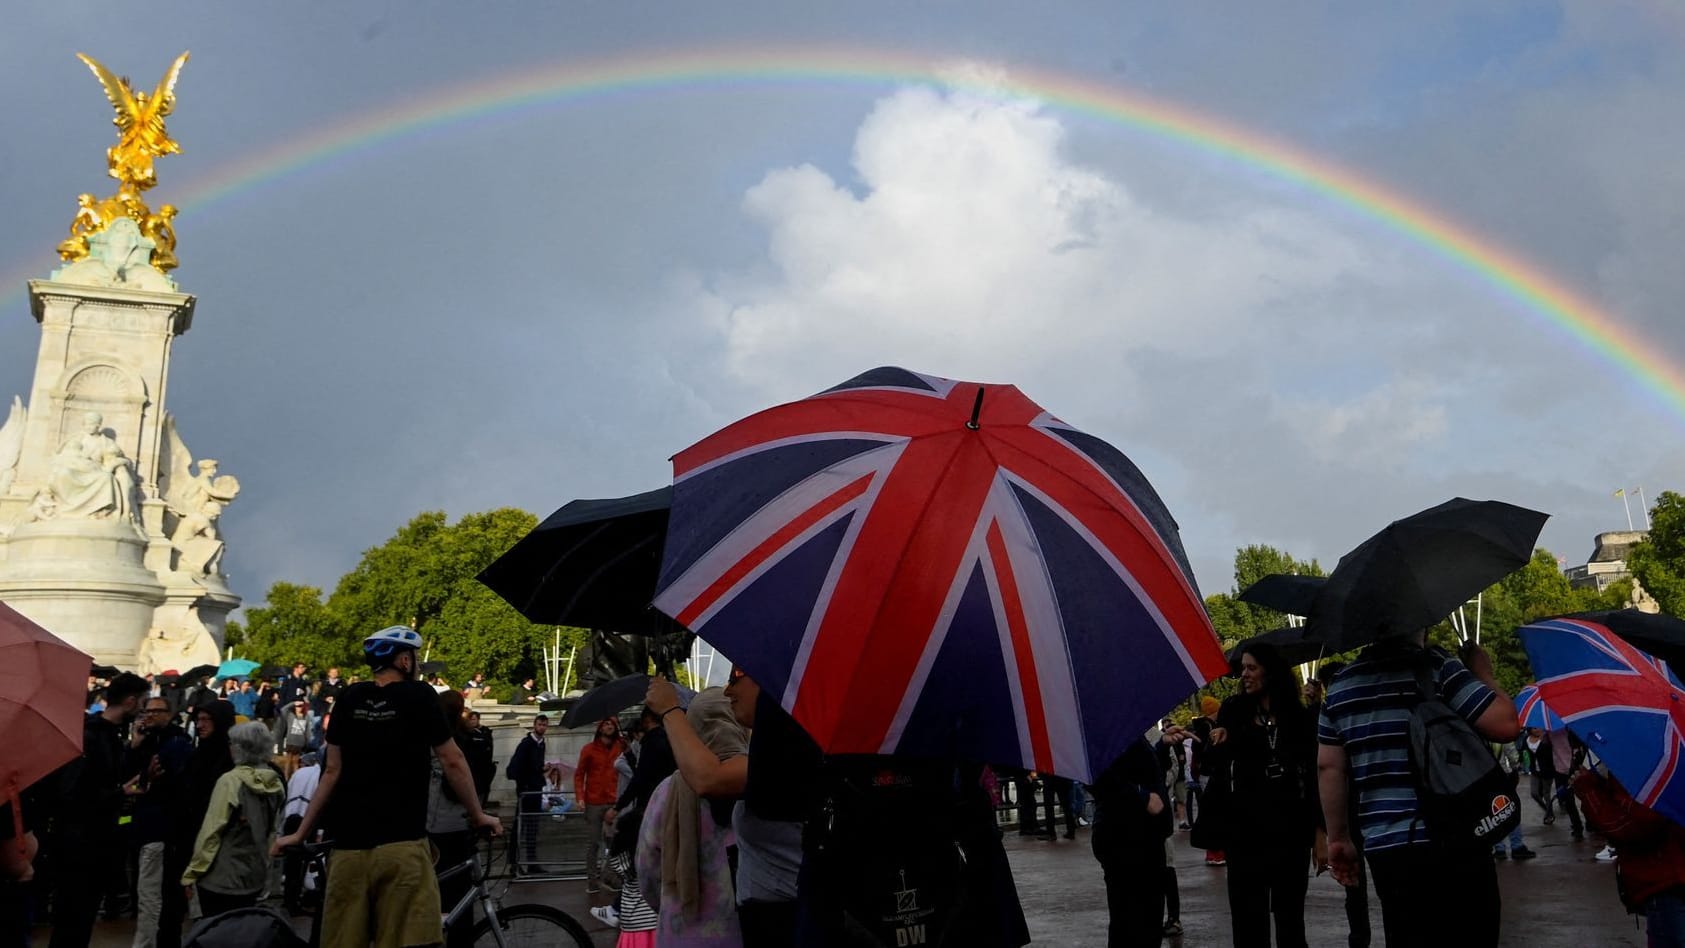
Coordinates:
<point>43,687</point>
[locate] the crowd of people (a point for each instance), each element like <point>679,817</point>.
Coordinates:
<point>719,823</point>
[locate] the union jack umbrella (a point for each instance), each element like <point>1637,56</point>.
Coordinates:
<point>1530,708</point>
<point>925,567</point>
<point>1626,706</point>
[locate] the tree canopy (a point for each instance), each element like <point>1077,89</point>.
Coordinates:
<point>1659,560</point>
<point>423,577</point>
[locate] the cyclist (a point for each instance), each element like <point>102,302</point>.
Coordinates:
<point>373,789</point>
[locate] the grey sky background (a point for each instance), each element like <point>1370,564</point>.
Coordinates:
<point>546,303</point>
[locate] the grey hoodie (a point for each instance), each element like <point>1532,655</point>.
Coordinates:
<point>231,856</point>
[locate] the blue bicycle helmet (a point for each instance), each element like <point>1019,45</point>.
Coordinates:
<point>382,646</point>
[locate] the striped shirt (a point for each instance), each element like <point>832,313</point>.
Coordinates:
<point>1367,712</point>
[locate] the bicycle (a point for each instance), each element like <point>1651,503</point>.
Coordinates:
<point>503,926</point>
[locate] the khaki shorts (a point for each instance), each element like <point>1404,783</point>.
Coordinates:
<point>387,896</point>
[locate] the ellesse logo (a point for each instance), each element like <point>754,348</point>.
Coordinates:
<point>1502,807</point>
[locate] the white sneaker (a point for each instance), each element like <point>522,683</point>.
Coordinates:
<point>1606,854</point>
<point>607,915</point>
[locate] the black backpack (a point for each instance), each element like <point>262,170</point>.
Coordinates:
<point>885,865</point>
<point>1464,797</point>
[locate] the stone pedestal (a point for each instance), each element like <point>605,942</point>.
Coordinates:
<point>84,581</point>
<point>111,576</point>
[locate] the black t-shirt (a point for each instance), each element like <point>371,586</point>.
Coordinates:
<point>386,735</point>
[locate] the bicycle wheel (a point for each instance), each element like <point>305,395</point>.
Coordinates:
<point>531,926</point>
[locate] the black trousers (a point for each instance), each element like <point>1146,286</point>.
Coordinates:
<point>1135,896</point>
<point>1357,907</point>
<point>1172,896</point>
<point>1264,882</point>
<point>1058,789</point>
<point>454,850</point>
<point>1460,884</point>
<point>767,924</point>
<point>527,826</point>
<point>173,911</point>
<point>81,864</point>
<point>1024,789</point>
<point>1565,796</point>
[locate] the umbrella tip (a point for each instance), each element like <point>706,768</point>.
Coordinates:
<point>976,409</point>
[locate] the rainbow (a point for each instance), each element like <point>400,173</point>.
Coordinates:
<point>1536,292</point>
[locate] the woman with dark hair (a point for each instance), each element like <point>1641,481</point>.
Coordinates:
<point>1264,744</point>
<point>448,828</point>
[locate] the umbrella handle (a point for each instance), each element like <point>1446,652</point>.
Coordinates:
<point>17,815</point>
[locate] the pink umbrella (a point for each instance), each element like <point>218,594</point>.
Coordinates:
<point>43,685</point>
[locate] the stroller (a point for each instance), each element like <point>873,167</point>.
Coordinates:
<point>244,928</point>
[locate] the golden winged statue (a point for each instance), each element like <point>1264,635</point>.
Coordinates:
<point>141,138</point>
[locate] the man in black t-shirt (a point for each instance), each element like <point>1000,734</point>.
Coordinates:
<point>373,790</point>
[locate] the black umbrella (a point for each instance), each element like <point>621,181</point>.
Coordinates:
<point>273,671</point>
<point>592,564</point>
<point>1285,592</point>
<point>1417,570</point>
<point>432,668</point>
<point>199,671</point>
<point>1295,646</point>
<point>608,700</point>
<point>104,671</point>
<point>1660,635</point>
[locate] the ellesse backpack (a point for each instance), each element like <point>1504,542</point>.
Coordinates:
<point>1464,797</point>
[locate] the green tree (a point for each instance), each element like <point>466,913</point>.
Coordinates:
<point>1659,560</point>
<point>423,576</point>
<point>1236,621</point>
<point>1537,591</point>
<point>294,625</point>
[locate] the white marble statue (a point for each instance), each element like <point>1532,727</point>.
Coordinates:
<point>11,443</point>
<point>197,500</point>
<point>91,477</point>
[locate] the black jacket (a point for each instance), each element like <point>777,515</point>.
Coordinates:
<point>655,764</point>
<point>477,748</point>
<point>91,786</point>
<point>526,766</point>
<point>1122,825</point>
<point>211,759</point>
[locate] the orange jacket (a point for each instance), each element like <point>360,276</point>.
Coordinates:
<point>594,781</point>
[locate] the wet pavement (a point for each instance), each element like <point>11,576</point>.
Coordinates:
<point>1563,898</point>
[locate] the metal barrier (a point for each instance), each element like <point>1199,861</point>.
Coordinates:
<point>548,843</point>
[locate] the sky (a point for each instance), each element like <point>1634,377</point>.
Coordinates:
<point>525,305</point>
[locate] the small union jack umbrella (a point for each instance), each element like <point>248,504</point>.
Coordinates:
<point>925,567</point>
<point>1626,706</point>
<point>1530,707</point>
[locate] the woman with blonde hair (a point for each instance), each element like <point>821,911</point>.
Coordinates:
<point>683,868</point>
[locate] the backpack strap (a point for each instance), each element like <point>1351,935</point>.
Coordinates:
<point>1426,687</point>
<point>1426,691</point>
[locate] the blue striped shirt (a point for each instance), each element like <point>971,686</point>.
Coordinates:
<point>1367,712</point>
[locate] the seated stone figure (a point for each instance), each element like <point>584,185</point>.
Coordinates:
<point>90,477</point>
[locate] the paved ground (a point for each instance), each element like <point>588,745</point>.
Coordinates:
<point>1563,898</point>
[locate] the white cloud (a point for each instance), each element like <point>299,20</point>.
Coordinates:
<point>975,246</point>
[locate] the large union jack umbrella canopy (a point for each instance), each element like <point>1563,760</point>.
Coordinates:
<point>1625,705</point>
<point>1530,708</point>
<point>926,567</point>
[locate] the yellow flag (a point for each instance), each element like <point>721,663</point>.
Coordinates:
<point>1621,492</point>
